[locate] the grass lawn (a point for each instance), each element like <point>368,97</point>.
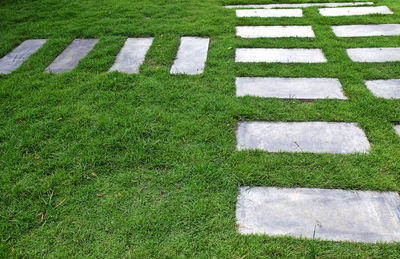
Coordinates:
<point>161,148</point>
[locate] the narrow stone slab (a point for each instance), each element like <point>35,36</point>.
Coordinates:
<point>132,55</point>
<point>274,31</point>
<point>397,129</point>
<point>299,5</point>
<point>192,56</point>
<point>374,54</point>
<point>367,30</point>
<point>280,55</point>
<point>265,13</point>
<point>348,11</point>
<point>388,89</point>
<point>315,137</point>
<point>338,215</point>
<point>290,88</point>
<point>71,56</point>
<point>19,55</point>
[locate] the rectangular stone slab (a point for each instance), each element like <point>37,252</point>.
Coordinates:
<point>315,137</point>
<point>19,55</point>
<point>265,13</point>
<point>388,89</point>
<point>374,54</point>
<point>192,56</point>
<point>348,11</point>
<point>274,31</point>
<point>338,215</point>
<point>280,55</point>
<point>294,88</point>
<point>132,55</point>
<point>367,30</point>
<point>71,56</point>
<point>397,129</point>
<point>299,5</point>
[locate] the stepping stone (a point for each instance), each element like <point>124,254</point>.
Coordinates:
<point>71,56</point>
<point>347,11</point>
<point>274,31</point>
<point>337,215</point>
<point>388,89</point>
<point>315,137</point>
<point>192,56</point>
<point>299,5</point>
<point>132,55</point>
<point>19,55</point>
<point>397,129</point>
<point>265,13</point>
<point>374,54</point>
<point>367,30</point>
<point>280,55</point>
<point>290,88</point>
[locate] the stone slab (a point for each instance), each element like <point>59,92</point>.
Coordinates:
<point>19,55</point>
<point>299,5</point>
<point>374,54</point>
<point>388,89</point>
<point>132,55</point>
<point>192,56</point>
<point>280,55</point>
<point>71,56</point>
<point>315,137</point>
<point>290,88</point>
<point>274,31</point>
<point>338,215</point>
<point>397,129</point>
<point>367,30</point>
<point>266,13</point>
<point>348,11</point>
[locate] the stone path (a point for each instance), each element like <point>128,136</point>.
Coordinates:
<point>388,89</point>
<point>348,11</point>
<point>132,55</point>
<point>274,31</point>
<point>71,56</point>
<point>339,215</point>
<point>290,88</point>
<point>280,55</point>
<point>192,56</point>
<point>367,30</point>
<point>270,13</point>
<point>19,55</point>
<point>315,137</point>
<point>374,54</point>
<point>299,5</point>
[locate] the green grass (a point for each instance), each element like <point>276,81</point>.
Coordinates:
<point>163,146</point>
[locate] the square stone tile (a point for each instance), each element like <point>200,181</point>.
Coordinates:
<point>374,54</point>
<point>388,89</point>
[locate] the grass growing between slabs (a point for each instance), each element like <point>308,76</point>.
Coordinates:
<point>160,148</point>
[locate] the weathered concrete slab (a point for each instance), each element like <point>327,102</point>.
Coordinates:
<point>71,56</point>
<point>374,54</point>
<point>295,88</point>
<point>347,11</point>
<point>132,55</point>
<point>19,55</point>
<point>280,55</point>
<point>299,5</point>
<point>338,215</point>
<point>315,137</point>
<point>274,31</point>
<point>265,13</point>
<point>389,89</point>
<point>367,30</point>
<point>397,129</point>
<point>192,56</point>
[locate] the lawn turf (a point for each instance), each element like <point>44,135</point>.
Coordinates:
<point>160,148</point>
